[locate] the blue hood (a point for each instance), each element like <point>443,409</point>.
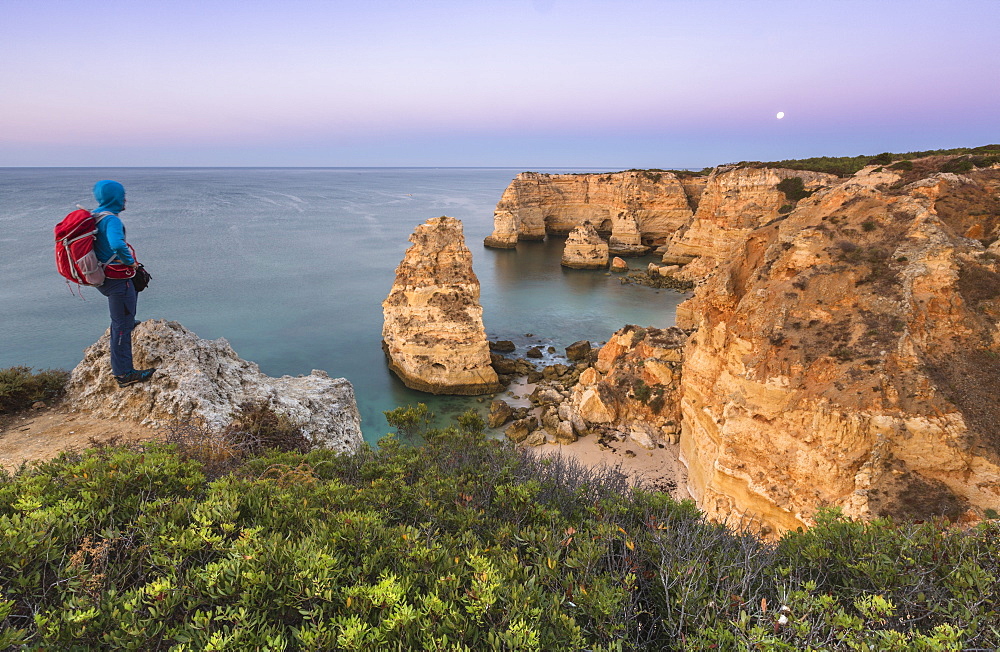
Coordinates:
<point>110,196</point>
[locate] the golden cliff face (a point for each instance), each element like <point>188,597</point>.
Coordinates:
<point>631,208</point>
<point>433,333</point>
<point>848,355</point>
<point>734,202</point>
<point>844,347</point>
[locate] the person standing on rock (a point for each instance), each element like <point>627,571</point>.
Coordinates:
<point>110,247</point>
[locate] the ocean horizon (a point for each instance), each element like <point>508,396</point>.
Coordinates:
<point>291,264</point>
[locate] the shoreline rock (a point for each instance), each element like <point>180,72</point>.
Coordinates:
<point>851,325</point>
<point>630,208</point>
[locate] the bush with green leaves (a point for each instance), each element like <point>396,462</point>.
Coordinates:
<point>793,188</point>
<point>462,543</point>
<point>19,387</point>
<point>844,166</point>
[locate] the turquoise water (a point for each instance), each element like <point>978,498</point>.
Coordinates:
<point>291,266</point>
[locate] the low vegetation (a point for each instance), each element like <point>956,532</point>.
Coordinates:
<point>461,543</point>
<point>970,157</point>
<point>793,188</point>
<point>20,388</point>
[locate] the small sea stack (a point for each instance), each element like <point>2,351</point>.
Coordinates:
<point>432,332</point>
<point>585,249</point>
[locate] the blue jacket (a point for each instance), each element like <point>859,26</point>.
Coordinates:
<point>110,241</point>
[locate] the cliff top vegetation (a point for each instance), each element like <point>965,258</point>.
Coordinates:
<point>967,159</point>
<point>956,159</point>
<point>459,543</point>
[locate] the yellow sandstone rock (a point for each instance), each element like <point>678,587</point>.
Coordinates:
<point>634,209</point>
<point>842,357</point>
<point>585,249</point>
<point>432,333</point>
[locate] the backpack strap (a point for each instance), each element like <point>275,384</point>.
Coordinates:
<point>97,220</point>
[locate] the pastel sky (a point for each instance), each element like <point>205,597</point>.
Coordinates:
<point>512,83</point>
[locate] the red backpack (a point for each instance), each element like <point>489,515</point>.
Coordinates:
<point>75,257</point>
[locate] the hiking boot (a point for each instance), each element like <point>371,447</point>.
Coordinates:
<point>134,376</point>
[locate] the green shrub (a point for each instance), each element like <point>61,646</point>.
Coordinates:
<point>958,165</point>
<point>410,421</point>
<point>19,388</point>
<point>794,188</point>
<point>463,543</point>
<point>641,391</point>
<point>848,165</point>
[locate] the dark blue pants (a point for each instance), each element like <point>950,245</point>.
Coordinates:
<point>121,296</point>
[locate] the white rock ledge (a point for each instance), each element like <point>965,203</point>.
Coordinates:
<point>206,381</point>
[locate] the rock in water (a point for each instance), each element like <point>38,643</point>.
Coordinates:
<point>578,350</point>
<point>206,381</point>
<point>618,265</point>
<point>433,331</point>
<point>585,249</point>
<point>500,413</point>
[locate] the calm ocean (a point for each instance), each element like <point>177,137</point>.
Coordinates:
<point>291,266</point>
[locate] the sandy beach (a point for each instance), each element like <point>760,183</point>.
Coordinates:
<point>659,469</point>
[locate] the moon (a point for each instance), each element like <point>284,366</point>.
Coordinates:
<point>781,114</point>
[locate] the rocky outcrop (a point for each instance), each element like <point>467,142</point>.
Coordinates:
<point>205,381</point>
<point>846,355</point>
<point>433,333</point>
<point>735,200</point>
<point>585,249</point>
<point>633,389</point>
<point>633,208</point>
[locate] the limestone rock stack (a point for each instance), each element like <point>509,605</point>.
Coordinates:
<point>847,355</point>
<point>505,224</point>
<point>633,208</point>
<point>205,381</point>
<point>433,333</point>
<point>585,249</point>
<point>626,238</point>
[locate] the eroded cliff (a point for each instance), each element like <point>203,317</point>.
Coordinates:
<point>841,349</point>
<point>845,355</point>
<point>634,209</point>
<point>735,200</point>
<point>433,334</point>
